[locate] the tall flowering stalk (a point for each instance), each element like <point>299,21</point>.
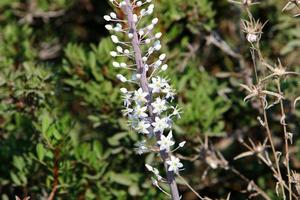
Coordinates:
<point>148,107</point>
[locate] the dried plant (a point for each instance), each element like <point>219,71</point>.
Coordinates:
<point>266,75</point>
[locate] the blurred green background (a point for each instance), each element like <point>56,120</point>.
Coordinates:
<point>60,105</point>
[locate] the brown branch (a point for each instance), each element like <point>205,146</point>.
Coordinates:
<point>55,174</point>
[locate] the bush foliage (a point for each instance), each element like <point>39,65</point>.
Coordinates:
<point>60,108</point>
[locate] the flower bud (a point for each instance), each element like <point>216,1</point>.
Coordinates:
<point>121,78</point>
<point>107,18</point>
<point>114,39</point>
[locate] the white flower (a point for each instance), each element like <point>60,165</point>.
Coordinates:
<point>127,111</point>
<point>166,142</point>
<point>168,90</point>
<point>159,105</point>
<point>142,127</point>
<point>174,164</point>
<point>176,112</point>
<point>139,3</point>
<point>157,84</point>
<point>127,99</point>
<point>140,111</point>
<point>141,147</point>
<point>140,96</point>
<point>160,124</point>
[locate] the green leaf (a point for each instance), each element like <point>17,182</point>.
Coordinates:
<point>15,179</point>
<point>46,122</point>
<point>40,151</point>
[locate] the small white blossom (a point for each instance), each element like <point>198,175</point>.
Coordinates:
<point>142,127</point>
<point>140,96</point>
<point>166,142</point>
<point>127,111</point>
<point>159,105</point>
<point>140,111</point>
<point>157,84</point>
<point>168,90</point>
<point>160,124</point>
<point>174,164</point>
<point>141,147</point>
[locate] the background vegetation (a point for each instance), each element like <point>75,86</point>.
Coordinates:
<point>60,119</point>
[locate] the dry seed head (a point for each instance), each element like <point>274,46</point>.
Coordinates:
<point>253,29</point>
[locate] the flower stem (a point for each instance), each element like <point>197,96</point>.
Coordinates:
<point>284,126</point>
<point>270,137</point>
<point>144,85</point>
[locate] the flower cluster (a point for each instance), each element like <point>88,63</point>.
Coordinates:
<point>148,107</point>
